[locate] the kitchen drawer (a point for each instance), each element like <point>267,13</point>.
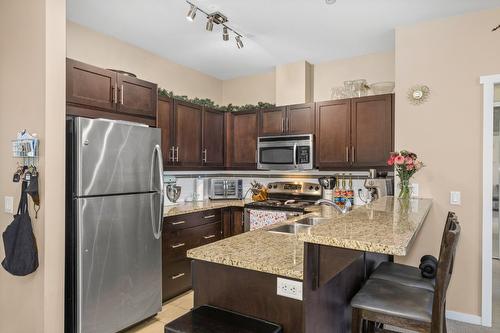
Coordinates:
<point>176,278</point>
<point>192,219</point>
<point>176,243</point>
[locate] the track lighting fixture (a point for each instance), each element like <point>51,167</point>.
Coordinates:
<point>191,13</point>
<point>239,43</point>
<point>210,24</point>
<point>215,18</point>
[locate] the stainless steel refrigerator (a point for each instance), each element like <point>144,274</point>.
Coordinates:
<point>114,208</point>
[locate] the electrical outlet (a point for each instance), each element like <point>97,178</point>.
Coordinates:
<point>9,205</point>
<point>414,190</point>
<point>289,288</point>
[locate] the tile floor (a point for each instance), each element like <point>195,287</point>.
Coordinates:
<point>182,304</point>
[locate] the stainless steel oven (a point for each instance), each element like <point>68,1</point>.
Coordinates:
<point>225,188</point>
<point>287,152</point>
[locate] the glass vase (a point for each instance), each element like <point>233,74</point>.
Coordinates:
<point>404,189</point>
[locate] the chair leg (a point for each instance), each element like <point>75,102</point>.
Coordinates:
<point>357,321</point>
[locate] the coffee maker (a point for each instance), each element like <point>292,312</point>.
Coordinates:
<point>377,186</point>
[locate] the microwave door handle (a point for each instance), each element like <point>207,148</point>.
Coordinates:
<point>295,159</point>
<point>224,187</point>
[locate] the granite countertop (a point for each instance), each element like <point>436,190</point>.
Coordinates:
<point>197,206</point>
<point>381,227</point>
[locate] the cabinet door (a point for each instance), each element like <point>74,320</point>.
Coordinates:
<point>242,141</point>
<point>272,121</point>
<point>164,121</point>
<point>137,97</point>
<point>238,226</point>
<point>213,138</point>
<point>90,86</point>
<point>333,122</point>
<point>372,128</point>
<point>188,122</point>
<point>300,119</point>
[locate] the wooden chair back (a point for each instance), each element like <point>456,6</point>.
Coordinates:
<point>444,271</point>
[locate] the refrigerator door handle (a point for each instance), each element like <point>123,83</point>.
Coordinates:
<point>158,154</point>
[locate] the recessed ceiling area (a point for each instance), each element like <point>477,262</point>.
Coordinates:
<point>275,32</point>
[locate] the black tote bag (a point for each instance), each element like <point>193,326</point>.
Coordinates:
<point>21,254</point>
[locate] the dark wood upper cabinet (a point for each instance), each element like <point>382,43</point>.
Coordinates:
<point>137,97</point>
<point>164,121</point>
<point>272,121</point>
<point>188,120</point>
<point>291,119</point>
<point>300,119</point>
<point>90,86</point>
<point>371,132</point>
<point>242,132</point>
<point>333,122</point>
<point>213,138</point>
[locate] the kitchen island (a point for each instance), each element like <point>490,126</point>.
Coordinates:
<point>329,261</point>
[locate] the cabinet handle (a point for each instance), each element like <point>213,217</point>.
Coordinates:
<point>208,216</point>
<point>204,154</point>
<point>353,154</point>
<point>177,223</point>
<point>172,154</point>
<point>178,245</point>
<point>177,154</point>
<point>287,124</point>
<point>209,236</point>
<point>121,94</point>
<point>177,276</point>
<point>114,92</point>
<point>282,125</point>
<point>346,154</point>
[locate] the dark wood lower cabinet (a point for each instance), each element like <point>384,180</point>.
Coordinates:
<point>232,221</point>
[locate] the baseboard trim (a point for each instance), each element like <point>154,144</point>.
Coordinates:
<point>463,317</point>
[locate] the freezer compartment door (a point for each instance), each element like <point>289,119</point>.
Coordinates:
<point>118,261</point>
<point>115,157</point>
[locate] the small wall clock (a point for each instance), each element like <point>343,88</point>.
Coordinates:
<point>418,94</point>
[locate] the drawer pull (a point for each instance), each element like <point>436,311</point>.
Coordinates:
<point>208,216</point>
<point>178,245</point>
<point>177,276</point>
<point>178,222</point>
<point>209,236</point>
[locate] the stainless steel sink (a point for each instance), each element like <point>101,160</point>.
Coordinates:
<point>310,221</point>
<point>289,228</point>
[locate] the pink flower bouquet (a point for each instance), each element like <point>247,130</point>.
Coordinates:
<point>405,164</point>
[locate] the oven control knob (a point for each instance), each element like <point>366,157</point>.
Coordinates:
<point>317,188</point>
<point>310,188</point>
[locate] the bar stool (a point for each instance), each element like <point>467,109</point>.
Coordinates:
<point>409,275</point>
<point>397,304</point>
<point>210,319</point>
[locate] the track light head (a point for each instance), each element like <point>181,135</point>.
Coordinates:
<point>239,42</point>
<point>225,34</point>
<point>191,13</point>
<point>210,23</point>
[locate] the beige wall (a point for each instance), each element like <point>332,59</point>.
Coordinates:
<point>100,50</point>
<point>449,56</point>
<point>293,83</point>
<point>372,67</point>
<point>250,89</point>
<point>32,90</point>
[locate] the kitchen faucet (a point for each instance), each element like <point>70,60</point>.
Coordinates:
<point>331,203</point>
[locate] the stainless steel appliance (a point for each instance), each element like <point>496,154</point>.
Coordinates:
<point>225,188</point>
<point>379,187</point>
<point>114,208</point>
<point>286,199</point>
<point>287,152</point>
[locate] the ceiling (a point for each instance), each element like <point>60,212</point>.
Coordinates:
<point>276,31</point>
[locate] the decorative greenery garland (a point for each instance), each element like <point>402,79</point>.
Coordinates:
<point>207,102</point>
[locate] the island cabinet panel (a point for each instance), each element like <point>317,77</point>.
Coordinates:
<point>91,86</point>
<point>213,138</point>
<point>164,121</point>
<point>137,97</point>
<point>180,234</point>
<point>242,132</point>
<point>371,136</point>
<point>232,221</point>
<point>188,120</point>
<point>333,123</point>
<point>300,119</point>
<point>272,121</point>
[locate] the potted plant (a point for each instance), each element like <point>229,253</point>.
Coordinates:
<point>406,164</point>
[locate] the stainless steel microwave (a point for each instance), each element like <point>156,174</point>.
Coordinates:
<point>287,152</point>
<point>225,188</point>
